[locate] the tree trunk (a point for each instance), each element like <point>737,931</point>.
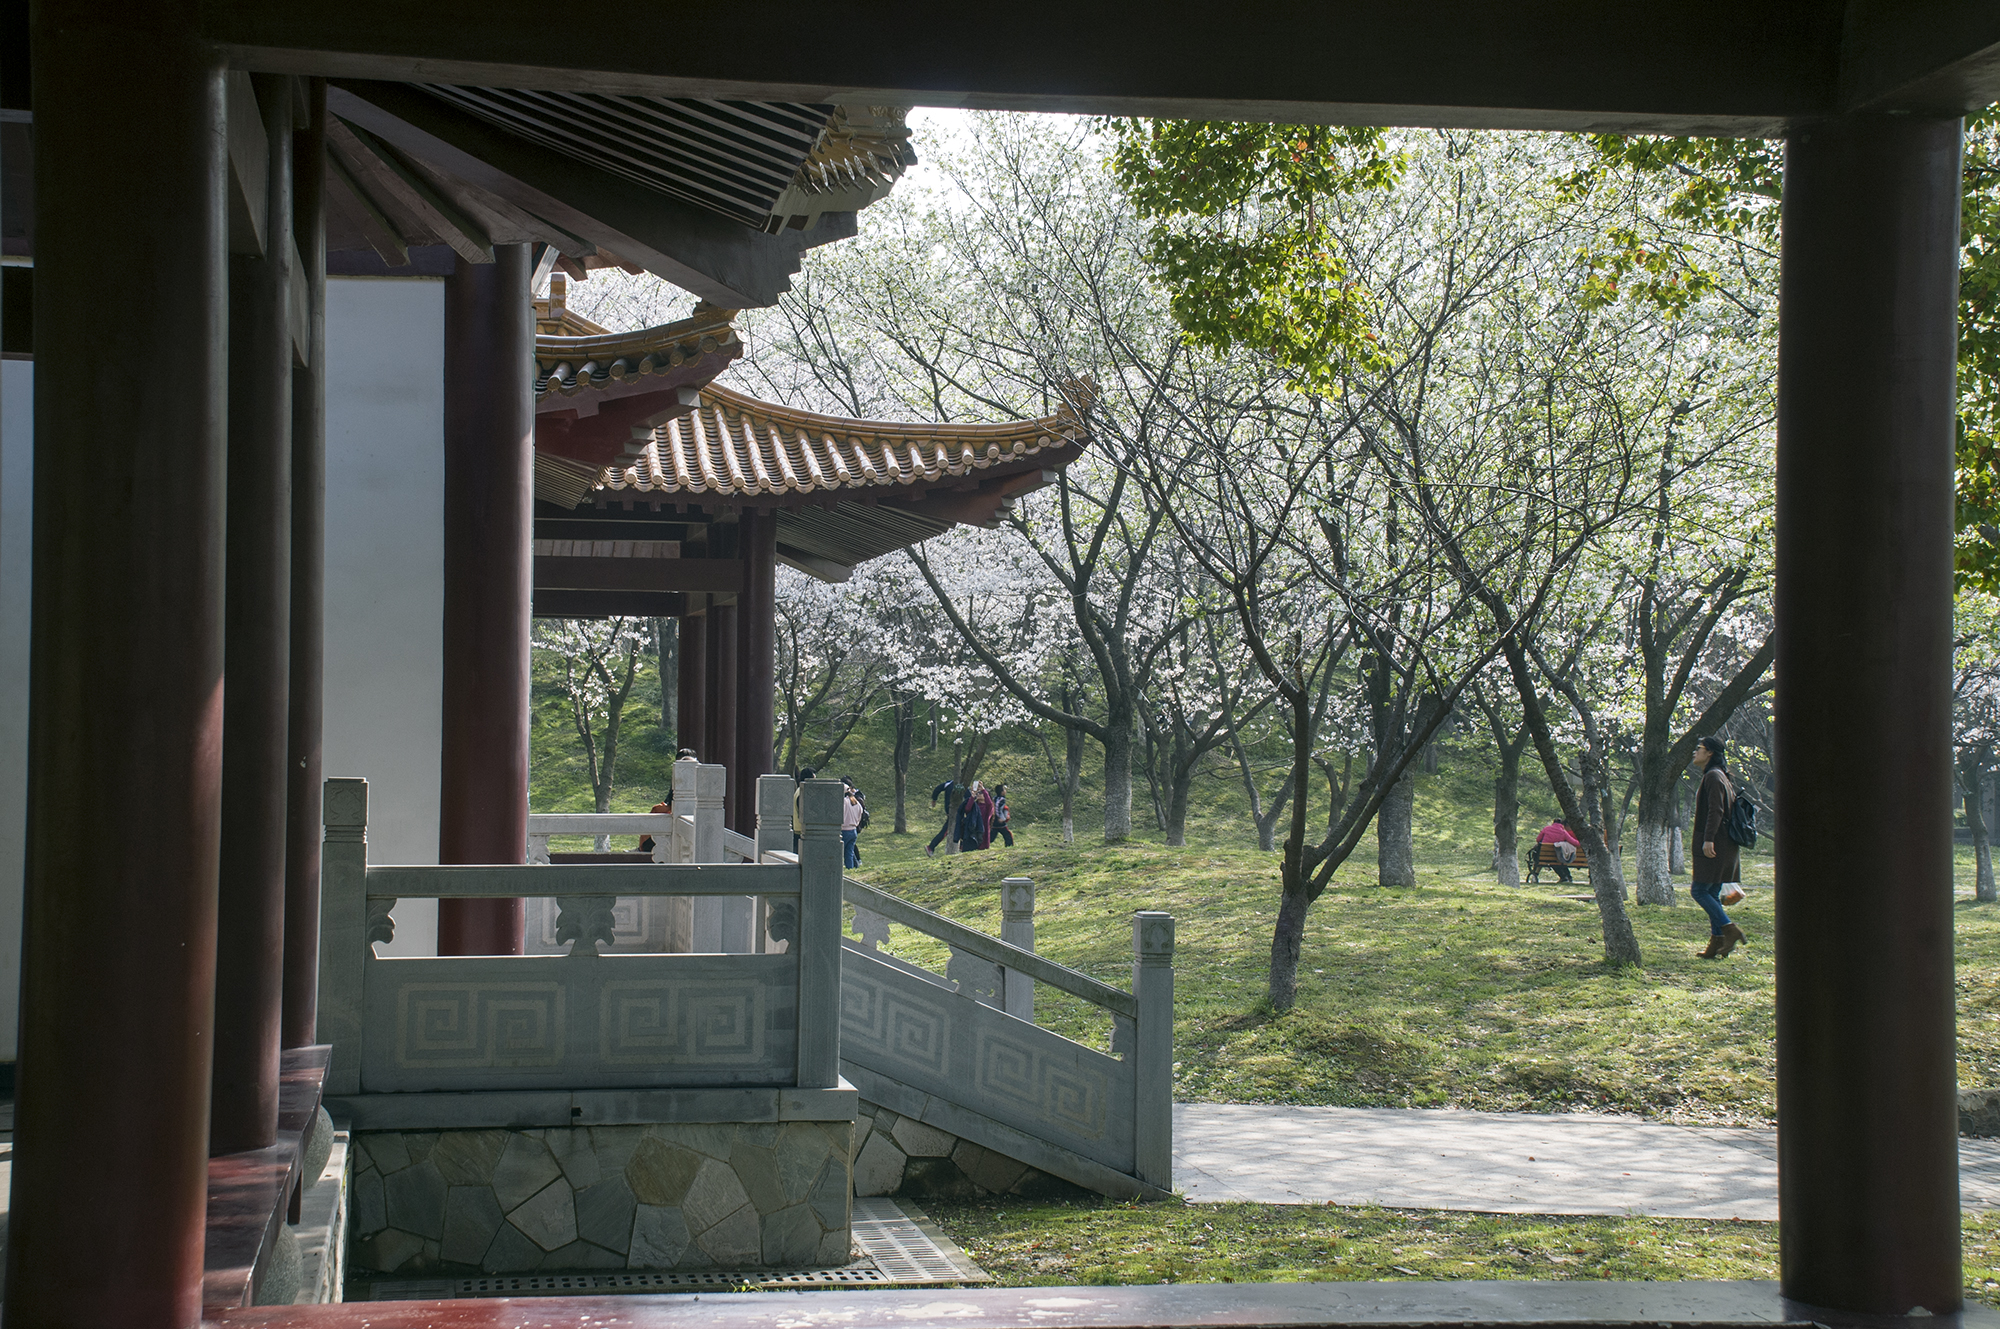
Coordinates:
<point>1072,780</point>
<point>1395,862</point>
<point>1153,780</point>
<point>1118,780</point>
<point>906,733</point>
<point>1656,834</point>
<point>1656,880</point>
<point>1677,832</point>
<point>1621,944</point>
<point>1287,940</point>
<point>1982,844</point>
<point>1177,804</point>
<point>1507,818</point>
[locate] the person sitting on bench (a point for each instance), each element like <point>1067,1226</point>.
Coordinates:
<point>1566,845</point>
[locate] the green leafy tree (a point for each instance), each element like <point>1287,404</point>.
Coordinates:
<point>1241,230</point>
<point>1729,189</point>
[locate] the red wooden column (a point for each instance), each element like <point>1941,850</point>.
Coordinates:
<point>756,636</point>
<point>691,706</point>
<point>118,953</point>
<point>302,767</point>
<point>250,922</point>
<point>722,693</point>
<point>1866,1052</point>
<point>489,491</point>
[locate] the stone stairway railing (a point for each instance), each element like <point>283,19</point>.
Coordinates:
<point>590,1018</point>
<point>960,1052</point>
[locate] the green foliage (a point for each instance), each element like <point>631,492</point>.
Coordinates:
<point>1022,1244</point>
<point>1026,1244</point>
<point>1240,231</point>
<point>1729,188</point>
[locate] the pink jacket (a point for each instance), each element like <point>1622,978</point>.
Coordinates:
<point>1555,832</point>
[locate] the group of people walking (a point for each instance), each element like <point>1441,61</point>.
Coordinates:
<point>982,814</point>
<point>1717,860</point>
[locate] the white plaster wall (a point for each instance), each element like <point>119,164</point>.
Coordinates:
<point>17,483</point>
<point>385,567</point>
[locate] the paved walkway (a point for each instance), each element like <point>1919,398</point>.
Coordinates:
<point>1493,1162</point>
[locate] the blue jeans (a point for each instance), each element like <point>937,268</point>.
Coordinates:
<point>850,847</point>
<point>1707,895</point>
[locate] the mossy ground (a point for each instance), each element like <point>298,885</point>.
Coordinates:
<point>1108,1243</point>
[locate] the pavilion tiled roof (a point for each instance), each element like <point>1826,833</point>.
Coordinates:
<point>567,365</point>
<point>733,445</point>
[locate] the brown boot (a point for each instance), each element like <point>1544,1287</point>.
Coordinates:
<point>1714,945</point>
<point>1729,937</point>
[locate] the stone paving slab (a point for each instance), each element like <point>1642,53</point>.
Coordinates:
<point>1492,1162</point>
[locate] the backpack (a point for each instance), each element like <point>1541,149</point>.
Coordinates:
<point>864,818</point>
<point>1740,823</point>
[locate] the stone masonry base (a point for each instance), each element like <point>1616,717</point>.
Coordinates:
<point>897,1155</point>
<point>770,1195</point>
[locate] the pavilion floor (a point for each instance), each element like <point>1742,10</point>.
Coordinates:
<point>1512,1304</point>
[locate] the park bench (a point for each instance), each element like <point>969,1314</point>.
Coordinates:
<point>1544,856</point>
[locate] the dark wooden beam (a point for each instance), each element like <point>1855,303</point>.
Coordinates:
<point>468,237</point>
<point>1739,66</point>
<point>368,216</point>
<point>249,165</point>
<point>609,604</point>
<point>1939,56</point>
<point>720,260</point>
<point>566,528</point>
<point>638,574</point>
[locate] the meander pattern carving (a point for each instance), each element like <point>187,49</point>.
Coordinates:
<point>470,1026</point>
<point>662,1022</point>
<point>1018,1074</point>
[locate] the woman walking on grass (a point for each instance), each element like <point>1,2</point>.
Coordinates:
<point>1716,858</point>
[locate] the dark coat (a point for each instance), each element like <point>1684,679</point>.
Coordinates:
<point>1711,811</point>
<point>971,825</point>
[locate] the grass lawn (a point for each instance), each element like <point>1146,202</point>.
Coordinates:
<point>1459,993</point>
<point>1076,1244</point>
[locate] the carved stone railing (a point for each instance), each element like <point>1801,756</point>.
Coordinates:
<point>967,1037</point>
<point>601,825</point>
<point>692,833</point>
<point>583,1019</point>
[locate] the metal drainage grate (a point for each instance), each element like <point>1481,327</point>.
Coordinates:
<point>908,1248</point>
<point>898,1247</point>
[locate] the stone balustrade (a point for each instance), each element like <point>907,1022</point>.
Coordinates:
<point>592,1108</point>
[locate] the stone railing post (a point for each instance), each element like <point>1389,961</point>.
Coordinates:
<point>774,813</point>
<point>711,785</point>
<point>774,831</point>
<point>538,849</point>
<point>1017,928</point>
<point>687,776</point>
<point>343,928</point>
<point>1153,1051</point>
<point>818,940</point>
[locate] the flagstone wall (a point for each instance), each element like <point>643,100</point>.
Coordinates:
<point>762,1195</point>
<point>898,1155</point>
